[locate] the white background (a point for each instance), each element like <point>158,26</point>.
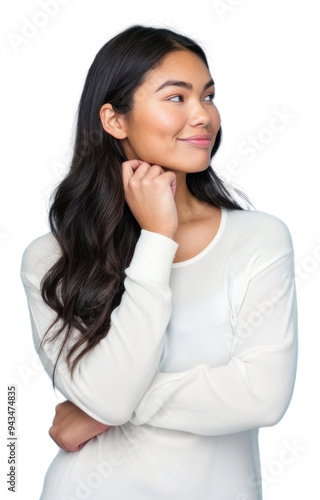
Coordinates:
<point>264,57</point>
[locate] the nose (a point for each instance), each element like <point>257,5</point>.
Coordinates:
<point>201,114</point>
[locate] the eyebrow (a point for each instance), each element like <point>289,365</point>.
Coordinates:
<point>185,85</point>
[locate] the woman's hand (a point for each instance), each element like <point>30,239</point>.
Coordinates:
<point>72,428</point>
<point>149,192</point>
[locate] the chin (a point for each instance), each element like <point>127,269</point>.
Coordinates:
<point>196,170</point>
<point>191,168</point>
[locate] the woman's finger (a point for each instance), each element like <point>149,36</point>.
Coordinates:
<point>153,172</point>
<point>128,169</point>
<point>172,180</point>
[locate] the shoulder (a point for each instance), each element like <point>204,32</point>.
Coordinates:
<point>258,236</point>
<point>259,225</point>
<point>38,258</point>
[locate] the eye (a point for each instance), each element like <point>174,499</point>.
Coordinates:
<point>209,97</point>
<point>176,98</point>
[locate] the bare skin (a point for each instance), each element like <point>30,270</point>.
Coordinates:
<point>198,222</point>
<point>72,428</point>
<point>158,196</point>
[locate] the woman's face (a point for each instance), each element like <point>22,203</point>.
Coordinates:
<point>174,122</point>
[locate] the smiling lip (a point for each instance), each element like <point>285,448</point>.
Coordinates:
<point>198,140</point>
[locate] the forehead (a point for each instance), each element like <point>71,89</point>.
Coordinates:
<point>182,65</point>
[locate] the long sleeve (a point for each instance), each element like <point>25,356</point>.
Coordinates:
<point>109,381</point>
<point>255,387</point>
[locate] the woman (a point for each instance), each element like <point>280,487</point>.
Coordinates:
<point>164,312</point>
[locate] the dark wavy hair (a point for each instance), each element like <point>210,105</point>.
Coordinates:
<point>89,217</point>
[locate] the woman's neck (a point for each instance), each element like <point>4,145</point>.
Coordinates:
<point>188,206</point>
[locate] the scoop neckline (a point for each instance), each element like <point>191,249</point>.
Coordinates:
<point>212,243</point>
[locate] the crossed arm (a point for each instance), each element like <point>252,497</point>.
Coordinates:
<point>253,390</point>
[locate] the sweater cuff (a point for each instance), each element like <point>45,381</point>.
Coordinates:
<point>153,256</point>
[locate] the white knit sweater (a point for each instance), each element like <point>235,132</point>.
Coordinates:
<point>200,354</point>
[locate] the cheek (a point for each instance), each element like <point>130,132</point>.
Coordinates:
<point>160,129</point>
<point>165,124</point>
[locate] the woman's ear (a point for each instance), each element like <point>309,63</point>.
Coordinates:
<point>113,122</point>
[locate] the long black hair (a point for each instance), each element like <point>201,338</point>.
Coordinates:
<point>89,217</point>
